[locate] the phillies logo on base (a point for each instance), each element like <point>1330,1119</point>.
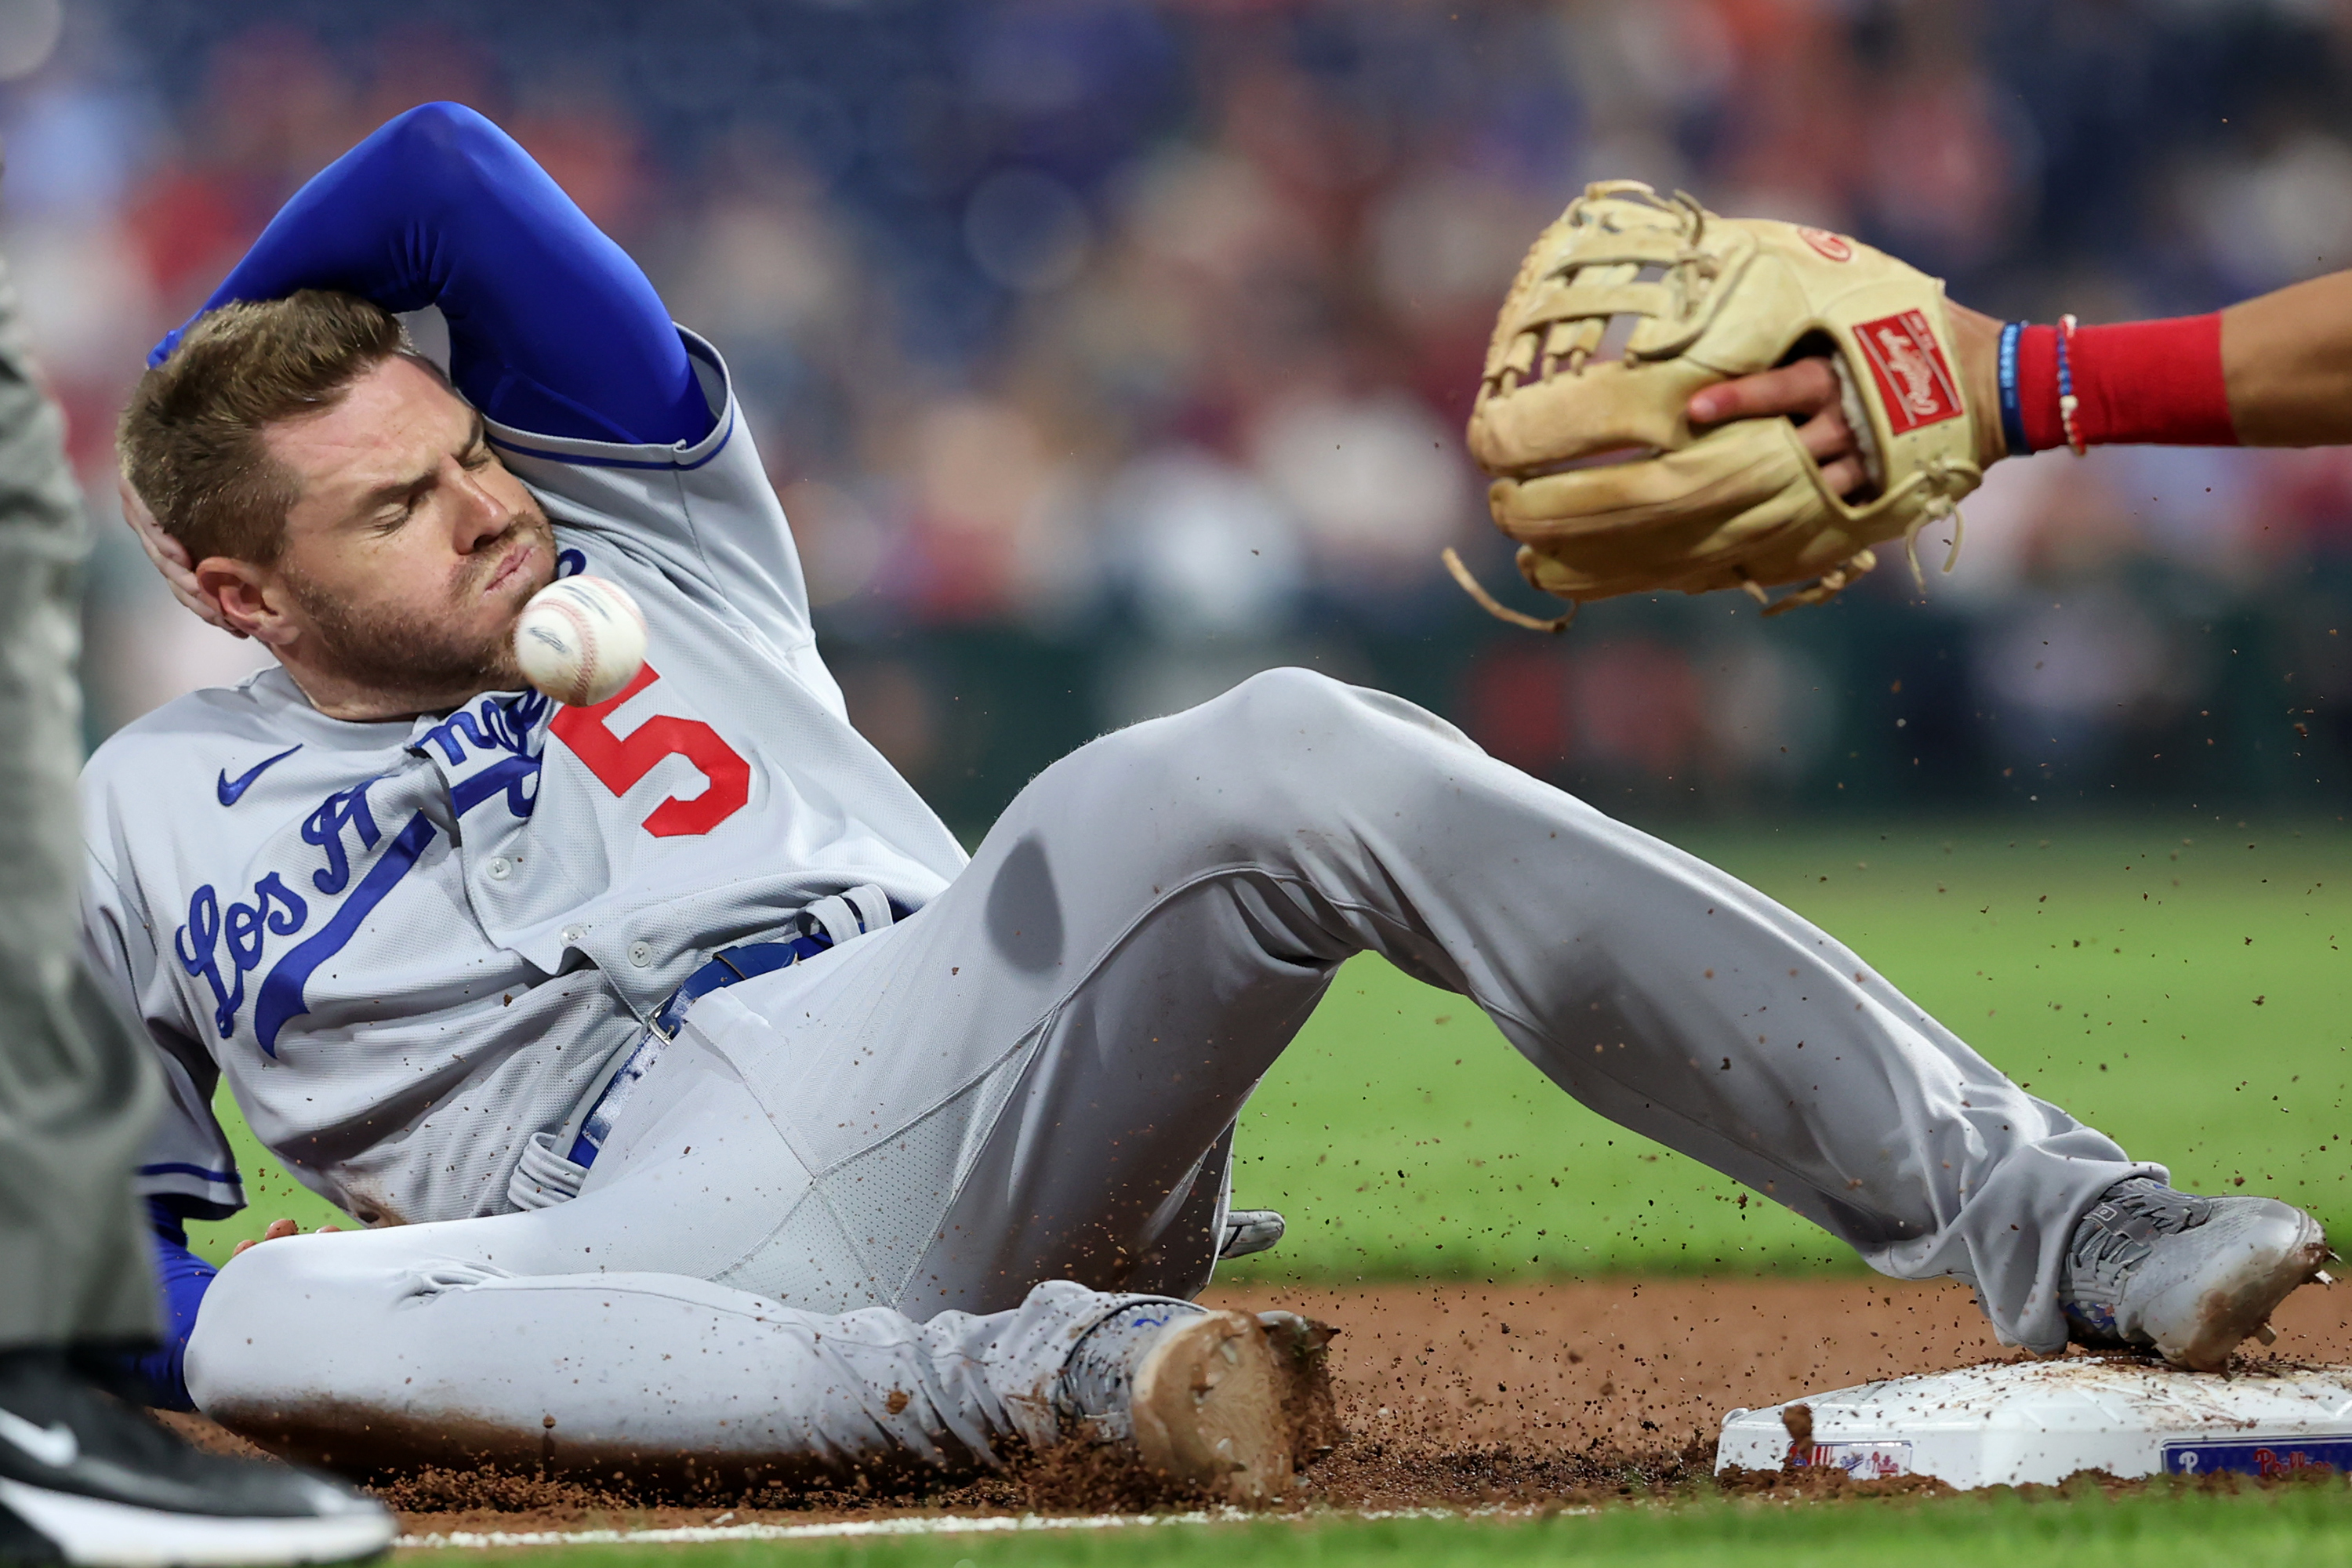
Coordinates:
<point>1914,380</point>
<point>1836,246</point>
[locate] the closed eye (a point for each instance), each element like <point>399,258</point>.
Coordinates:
<point>390,506</point>
<point>390,519</point>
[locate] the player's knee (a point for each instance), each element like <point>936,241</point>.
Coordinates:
<point>273,1316</point>
<point>1292,723</point>
<point>1288,697</point>
<point>1283,720</point>
<point>1276,753</point>
<point>1286,751</point>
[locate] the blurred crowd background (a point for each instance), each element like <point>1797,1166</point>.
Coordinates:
<point>1105,352</point>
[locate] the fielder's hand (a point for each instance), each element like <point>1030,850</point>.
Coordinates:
<point>1807,391</point>
<point>169,557</point>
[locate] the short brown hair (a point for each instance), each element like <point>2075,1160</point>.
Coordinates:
<point>191,437</point>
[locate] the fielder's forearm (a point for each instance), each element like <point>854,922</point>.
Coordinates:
<point>2287,358</point>
<point>2273,372</point>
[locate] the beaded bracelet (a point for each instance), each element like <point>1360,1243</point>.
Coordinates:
<point>2012,408</point>
<point>2067,402</point>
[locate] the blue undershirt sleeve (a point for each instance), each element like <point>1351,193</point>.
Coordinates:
<point>552,329</point>
<point>182,1278</point>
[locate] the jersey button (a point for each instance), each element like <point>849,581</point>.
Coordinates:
<point>640,953</point>
<point>571,935</point>
<point>499,868</point>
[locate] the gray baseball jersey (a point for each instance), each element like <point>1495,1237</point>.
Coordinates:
<point>412,945</point>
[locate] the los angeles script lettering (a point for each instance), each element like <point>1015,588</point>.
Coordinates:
<point>240,932</point>
<point>344,826</point>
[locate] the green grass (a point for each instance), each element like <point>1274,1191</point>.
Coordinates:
<point>2149,1028</point>
<point>2310,1527</point>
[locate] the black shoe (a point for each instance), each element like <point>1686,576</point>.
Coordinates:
<point>86,1479</point>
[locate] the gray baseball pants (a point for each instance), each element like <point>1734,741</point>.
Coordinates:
<point>856,1215</point>
<point>77,1092</point>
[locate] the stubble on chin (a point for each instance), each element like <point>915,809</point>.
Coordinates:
<point>415,657</point>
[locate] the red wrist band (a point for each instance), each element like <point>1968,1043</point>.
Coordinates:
<point>2144,383</point>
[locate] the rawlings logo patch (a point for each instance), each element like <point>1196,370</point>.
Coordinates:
<point>1914,380</point>
<point>1836,246</point>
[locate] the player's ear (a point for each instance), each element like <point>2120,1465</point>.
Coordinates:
<point>249,602</point>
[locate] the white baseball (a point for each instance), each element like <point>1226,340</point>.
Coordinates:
<point>581,639</point>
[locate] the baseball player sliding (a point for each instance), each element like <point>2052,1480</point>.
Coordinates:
<point>709,1111</point>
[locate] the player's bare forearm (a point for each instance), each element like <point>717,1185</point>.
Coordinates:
<point>2287,358</point>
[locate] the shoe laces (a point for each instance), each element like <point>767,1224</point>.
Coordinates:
<point>2123,1227</point>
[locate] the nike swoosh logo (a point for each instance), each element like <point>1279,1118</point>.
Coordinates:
<point>232,790</point>
<point>54,1445</point>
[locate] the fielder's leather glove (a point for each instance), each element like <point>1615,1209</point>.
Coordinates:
<point>1631,303</point>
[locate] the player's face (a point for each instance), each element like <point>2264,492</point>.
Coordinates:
<point>411,548</point>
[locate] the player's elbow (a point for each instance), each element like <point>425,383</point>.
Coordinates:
<point>440,130</point>
<point>446,150</point>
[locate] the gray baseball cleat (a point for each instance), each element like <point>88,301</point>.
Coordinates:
<point>1225,1402</point>
<point>2185,1276</point>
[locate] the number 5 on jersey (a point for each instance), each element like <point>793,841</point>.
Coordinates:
<point>618,764</point>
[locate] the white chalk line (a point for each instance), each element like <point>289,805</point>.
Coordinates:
<point>926,1524</point>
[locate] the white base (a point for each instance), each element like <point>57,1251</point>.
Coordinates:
<point>2013,1423</point>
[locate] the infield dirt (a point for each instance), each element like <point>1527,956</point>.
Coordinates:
<point>1450,1395</point>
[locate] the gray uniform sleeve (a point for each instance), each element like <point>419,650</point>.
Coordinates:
<point>705,514</point>
<point>187,1159</point>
